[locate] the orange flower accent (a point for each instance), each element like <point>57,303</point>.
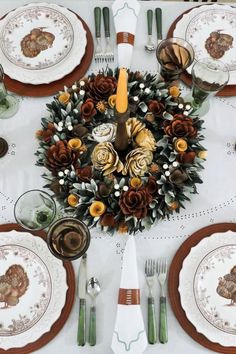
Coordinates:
<point>73,200</point>
<point>136,182</point>
<point>180,145</point>
<point>202,154</point>
<point>75,144</point>
<point>97,208</point>
<point>174,91</point>
<point>64,98</point>
<point>112,101</point>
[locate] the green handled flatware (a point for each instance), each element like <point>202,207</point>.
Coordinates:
<point>161,276</point>
<point>93,289</point>
<point>109,55</point>
<point>150,278</point>
<point>82,279</point>
<point>98,55</point>
<point>158,15</point>
<point>149,47</point>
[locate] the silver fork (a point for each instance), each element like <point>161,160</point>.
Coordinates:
<point>98,54</point>
<point>109,55</point>
<point>150,278</point>
<point>161,276</point>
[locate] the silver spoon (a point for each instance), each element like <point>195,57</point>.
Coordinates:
<point>93,289</point>
<point>149,47</point>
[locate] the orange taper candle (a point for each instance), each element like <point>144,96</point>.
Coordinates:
<point>121,93</point>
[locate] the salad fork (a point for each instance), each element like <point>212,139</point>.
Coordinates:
<point>98,55</point>
<point>109,55</point>
<point>150,278</point>
<point>161,276</point>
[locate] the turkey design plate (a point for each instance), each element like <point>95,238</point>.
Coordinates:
<point>32,289</point>
<point>207,287</point>
<point>211,30</point>
<point>41,43</point>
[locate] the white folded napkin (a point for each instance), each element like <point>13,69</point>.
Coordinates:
<point>125,13</point>
<point>129,333</point>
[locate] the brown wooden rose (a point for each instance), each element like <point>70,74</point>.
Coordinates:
<point>60,157</point>
<point>135,202</point>
<point>46,133</point>
<point>156,107</point>
<point>180,126</point>
<point>84,173</point>
<point>88,110</point>
<point>100,87</point>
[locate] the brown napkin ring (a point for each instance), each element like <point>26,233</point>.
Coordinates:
<point>129,296</point>
<point>125,37</point>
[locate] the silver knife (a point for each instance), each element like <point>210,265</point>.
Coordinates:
<point>158,14</point>
<point>82,280</point>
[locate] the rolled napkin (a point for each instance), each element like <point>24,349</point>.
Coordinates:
<point>129,333</point>
<point>125,13</point>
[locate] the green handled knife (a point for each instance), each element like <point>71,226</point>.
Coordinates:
<point>82,280</point>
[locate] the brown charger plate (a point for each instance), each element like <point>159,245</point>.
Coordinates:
<point>23,89</point>
<point>173,284</point>
<point>70,295</point>
<point>229,90</point>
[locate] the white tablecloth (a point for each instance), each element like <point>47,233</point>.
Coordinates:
<point>216,201</point>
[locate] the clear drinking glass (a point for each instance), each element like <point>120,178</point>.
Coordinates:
<point>9,104</point>
<point>68,238</point>
<point>209,76</point>
<point>35,210</point>
<point>174,56</point>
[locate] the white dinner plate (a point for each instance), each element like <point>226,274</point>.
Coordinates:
<point>32,289</point>
<point>211,30</point>
<point>41,43</point>
<point>207,287</point>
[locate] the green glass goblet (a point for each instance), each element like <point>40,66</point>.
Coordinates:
<point>35,210</point>
<point>9,104</point>
<point>209,76</point>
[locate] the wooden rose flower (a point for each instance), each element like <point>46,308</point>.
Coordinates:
<point>106,159</point>
<point>135,202</point>
<point>146,140</point>
<point>137,162</point>
<point>134,126</point>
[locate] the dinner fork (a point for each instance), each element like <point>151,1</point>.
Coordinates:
<point>98,55</point>
<point>161,276</point>
<point>150,278</point>
<point>109,55</point>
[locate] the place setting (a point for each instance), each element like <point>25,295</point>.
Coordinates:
<point>25,57</point>
<point>120,153</point>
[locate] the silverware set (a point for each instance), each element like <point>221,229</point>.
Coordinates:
<point>92,288</point>
<point>156,269</point>
<point>150,46</point>
<point>101,55</point>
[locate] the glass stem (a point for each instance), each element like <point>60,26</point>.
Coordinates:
<point>3,94</point>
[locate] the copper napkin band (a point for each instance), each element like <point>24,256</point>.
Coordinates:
<point>129,296</point>
<point>125,37</point>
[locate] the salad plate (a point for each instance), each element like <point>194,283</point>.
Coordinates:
<point>207,287</point>
<point>40,43</point>
<point>33,289</point>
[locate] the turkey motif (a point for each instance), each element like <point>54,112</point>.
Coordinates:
<point>35,42</point>
<point>227,286</point>
<point>13,285</point>
<point>218,43</point>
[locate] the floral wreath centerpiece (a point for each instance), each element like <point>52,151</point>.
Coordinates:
<point>121,149</point>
